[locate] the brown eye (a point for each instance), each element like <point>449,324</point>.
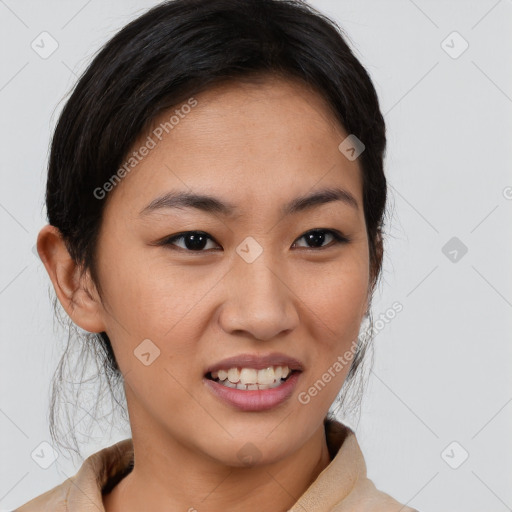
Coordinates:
<point>317,237</point>
<point>197,241</point>
<point>194,241</point>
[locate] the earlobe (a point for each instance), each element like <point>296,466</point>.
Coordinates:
<point>75,292</point>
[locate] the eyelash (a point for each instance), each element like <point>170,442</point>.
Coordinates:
<point>339,239</point>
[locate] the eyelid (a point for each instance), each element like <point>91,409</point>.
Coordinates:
<point>339,239</point>
<point>166,241</point>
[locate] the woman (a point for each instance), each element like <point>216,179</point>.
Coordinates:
<point>215,201</point>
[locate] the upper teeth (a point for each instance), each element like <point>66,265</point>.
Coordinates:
<point>247,376</point>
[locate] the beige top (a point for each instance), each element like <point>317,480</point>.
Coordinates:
<point>341,487</point>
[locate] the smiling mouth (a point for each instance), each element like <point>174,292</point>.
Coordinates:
<point>249,379</point>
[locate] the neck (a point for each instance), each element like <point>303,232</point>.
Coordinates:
<point>171,476</point>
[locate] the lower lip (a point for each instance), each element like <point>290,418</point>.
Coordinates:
<point>254,399</point>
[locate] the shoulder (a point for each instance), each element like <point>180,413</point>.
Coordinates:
<point>83,491</point>
<point>55,500</point>
<point>349,483</point>
<point>365,497</point>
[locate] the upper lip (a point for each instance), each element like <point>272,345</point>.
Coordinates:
<point>258,362</point>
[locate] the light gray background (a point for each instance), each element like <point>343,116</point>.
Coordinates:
<point>443,365</point>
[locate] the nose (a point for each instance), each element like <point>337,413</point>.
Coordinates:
<point>260,300</point>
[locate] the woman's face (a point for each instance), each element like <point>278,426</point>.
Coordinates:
<point>254,289</point>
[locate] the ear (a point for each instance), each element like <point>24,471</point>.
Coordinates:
<point>76,292</point>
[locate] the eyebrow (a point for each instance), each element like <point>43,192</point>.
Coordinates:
<point>214,205</point>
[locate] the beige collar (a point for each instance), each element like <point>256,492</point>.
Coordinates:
<point>341,486</point>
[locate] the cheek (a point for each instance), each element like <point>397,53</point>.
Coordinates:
<point>155,300</point>
<point>336,296</point>
<point>337,302</point>
<point>150,292</point>
<point>156,330</point>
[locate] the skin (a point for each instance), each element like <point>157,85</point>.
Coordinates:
<point>258,146</point>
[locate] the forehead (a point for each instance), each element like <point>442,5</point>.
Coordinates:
<point>270,109</point>
<point>253,142</point>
